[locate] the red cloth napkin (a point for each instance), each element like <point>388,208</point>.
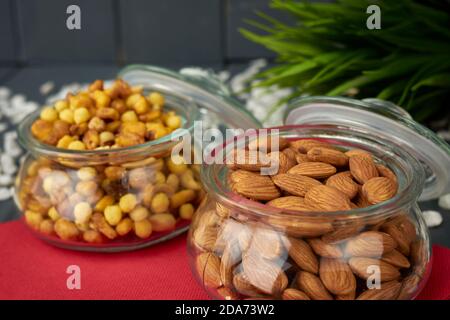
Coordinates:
<point>32,269</point>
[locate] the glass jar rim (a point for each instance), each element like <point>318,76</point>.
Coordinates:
<point>217,188</point>
<point>184,106</point>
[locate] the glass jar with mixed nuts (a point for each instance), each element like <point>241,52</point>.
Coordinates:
<point>100,176</point>
<point>337,219</point>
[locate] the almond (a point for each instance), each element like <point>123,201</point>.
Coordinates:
<point>370,244</point>
<point>266,243</point>
<point>230,257</point>
<point>396,259</point>
<point>301,158</point>
<point>222,211</point>
<point>403,231</point>
<point>265,143</point>
<point>384,171</point>
<point>295,184</point>
<point>326,155</point>
<point>304,145</point>
<point>247,160</point>
<point>239,175</point>
<point>243,286</point>
<point>284,162</point>
<point>343,182</point>
<point>358,152</point>
<point>255,187</point>
<point>289,203</point>
<point>337,276</point>
<point>419,256</point>
<point>410,285</point>
<point>379,189</point>
<point>294,294</point>
<point>312,286</point>
<point>360,200</point>
<point>302,255</point>
<point>323,249</point>
<point>208,267</point>
<point>343,232</point>
<point>291,153</point>
<point>265,275</point>
<point>300,228</point>
<point>388,291</point>
<point>205,237</point>
<point>318,170</point>
<point>362,168</point>
<point>350,296</point>
<point>366,267</point>
<point>327,199</point>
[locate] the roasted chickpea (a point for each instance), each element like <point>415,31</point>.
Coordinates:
<point>186,211</point>
<point>156,99</point>
<point>49,114</point>
<point>160,203</point>
<point>162,222</point>
<point>82,212</point>
<point>129,116</point>
<point>143,229</point>
<point>86,173</point>
<point>128,202</point>
<point>139,213</point>
<point>124,227</point>
<point>81,115</point>
<point>113,214</point>
<point>66,115</point>
<point>76,145</point>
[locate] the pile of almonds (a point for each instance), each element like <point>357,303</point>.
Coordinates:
<point>314,176</point>
<point>285,256</point>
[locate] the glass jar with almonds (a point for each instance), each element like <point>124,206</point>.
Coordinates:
<point>100,174</point>
<point>337,217</point>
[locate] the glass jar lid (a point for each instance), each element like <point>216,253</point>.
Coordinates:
<point>382,119</point>
<point>217,107</point>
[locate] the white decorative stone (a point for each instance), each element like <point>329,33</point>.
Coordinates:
<point>432,218</point>
<point>444,201</point>
<point>5,193</point>
<point>46,87</point>
<point>6,180</point>
<point>8,164</point>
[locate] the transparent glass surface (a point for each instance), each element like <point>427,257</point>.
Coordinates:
<point>241,249</point>
<point>108,200</point>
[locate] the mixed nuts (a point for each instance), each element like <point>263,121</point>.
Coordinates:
<point>304,245</point>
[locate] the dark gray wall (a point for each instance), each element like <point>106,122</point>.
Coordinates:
<point>34,32</point>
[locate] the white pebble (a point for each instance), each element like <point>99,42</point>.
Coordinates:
<point>46,87</point>
<point>444,201</point>
<point>5,92</point>
<point>10,144</point>
<point>432,218</point>
<point>18,100</point>
<point>8,164</point>
<point>6,180</point>
<point>5,193</point>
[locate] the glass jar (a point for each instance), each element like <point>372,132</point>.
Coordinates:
<point>241,249</point>
<point>125,198</point>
